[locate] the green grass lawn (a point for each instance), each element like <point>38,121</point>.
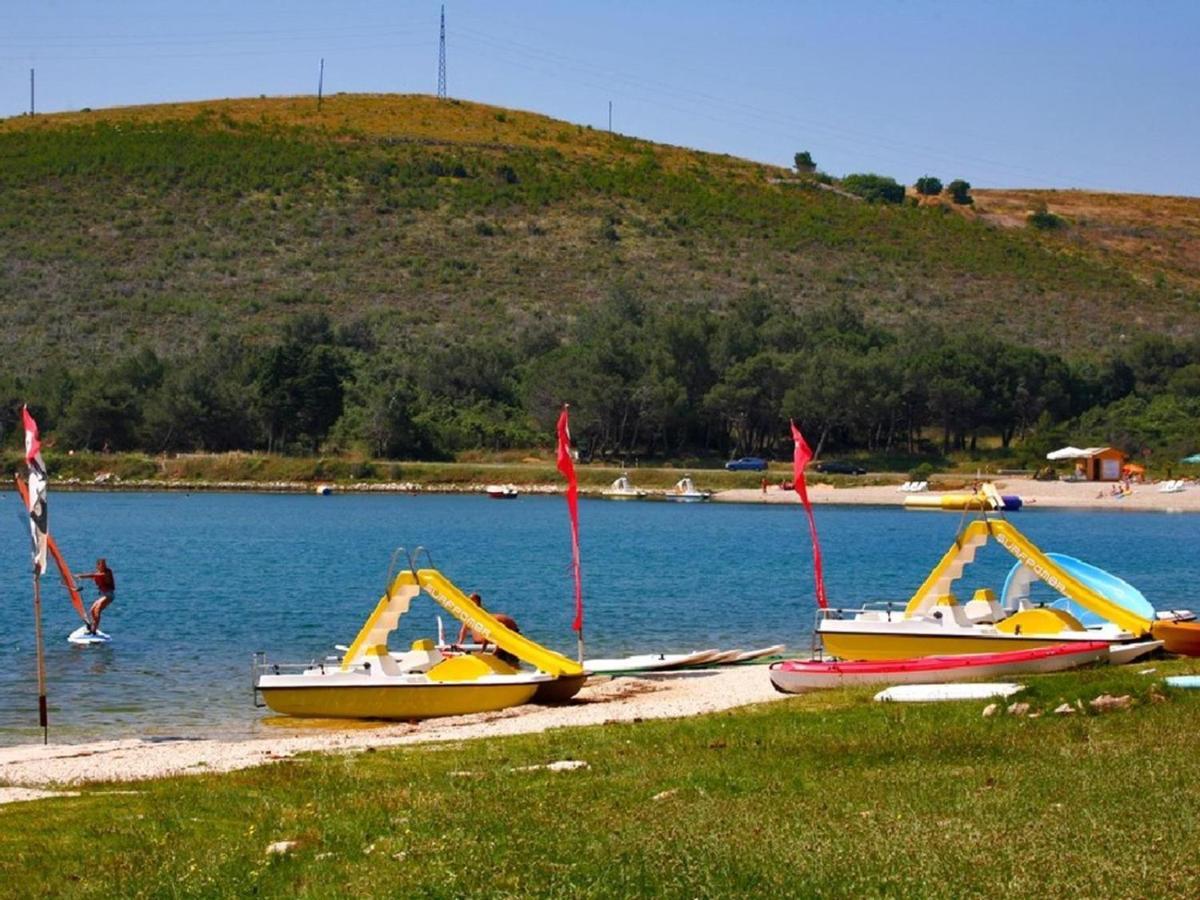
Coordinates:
<point>822,795</point>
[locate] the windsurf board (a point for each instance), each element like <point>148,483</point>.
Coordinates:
<point>648,662</point>
<point>82,637</point>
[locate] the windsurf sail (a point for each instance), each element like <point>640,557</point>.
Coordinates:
<point>800,459</point>
<point>35,498</point>
<point>64,571</point>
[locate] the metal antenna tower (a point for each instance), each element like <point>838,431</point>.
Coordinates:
<point>442,59</point>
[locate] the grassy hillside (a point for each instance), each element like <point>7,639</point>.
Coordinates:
<point>1157,238</point>
<point>160,225</point>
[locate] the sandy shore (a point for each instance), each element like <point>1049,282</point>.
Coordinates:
<point>601,701</point>
<point>1047,494</point>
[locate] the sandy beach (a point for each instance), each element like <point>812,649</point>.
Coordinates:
<point>1035,494</point>
<point>28,767</point>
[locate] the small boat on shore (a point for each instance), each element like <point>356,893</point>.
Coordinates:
<point>622,489</point>
<point>960,501</point>
<point>501,491</point>
<point>795,676</point>
<point>685,491</point>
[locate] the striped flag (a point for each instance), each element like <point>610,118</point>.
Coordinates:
<point>39,526</point>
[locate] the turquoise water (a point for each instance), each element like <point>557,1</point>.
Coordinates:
<point>204,580</point>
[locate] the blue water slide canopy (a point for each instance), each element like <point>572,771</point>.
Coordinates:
<point>1106,584</point>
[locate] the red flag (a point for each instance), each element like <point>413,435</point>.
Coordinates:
<point>799,460</point>
<point>566,465</point>
<point>39,524</point>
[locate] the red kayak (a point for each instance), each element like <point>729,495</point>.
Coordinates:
<point>796,675</point>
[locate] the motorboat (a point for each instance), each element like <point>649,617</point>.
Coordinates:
<point>501,491</point>
<point>685,491</point>
<point>794,676</point>
<point>370,681</point>
<point>933,622</point>
<point>621,489</point>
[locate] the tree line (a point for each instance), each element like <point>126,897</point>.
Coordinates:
<point>663,381</point>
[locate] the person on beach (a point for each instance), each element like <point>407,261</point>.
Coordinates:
<point>507,621</point>
<point>106,584</point>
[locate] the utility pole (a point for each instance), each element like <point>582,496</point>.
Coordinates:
<point>610,117</point>
<point>321,84</point>
<point>441,90</point>
<point>31,92</point>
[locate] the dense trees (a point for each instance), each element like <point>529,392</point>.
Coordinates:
<point>664,381</point>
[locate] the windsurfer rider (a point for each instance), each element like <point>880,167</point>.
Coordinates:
<point>106,584</point>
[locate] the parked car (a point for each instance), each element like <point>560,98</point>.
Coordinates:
<point>840,467</point>
<point>747,464</point>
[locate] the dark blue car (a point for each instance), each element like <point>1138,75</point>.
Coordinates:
<point>747,464</point>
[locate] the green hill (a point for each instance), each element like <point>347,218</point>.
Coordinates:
<point>158,225</point>
<point>409,277</point>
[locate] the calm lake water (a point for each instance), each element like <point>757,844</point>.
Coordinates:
<point>204,580</point>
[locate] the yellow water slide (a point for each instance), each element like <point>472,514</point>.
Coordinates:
<point>463,608</point>
<point>975,535</point>
<point>372,637</point>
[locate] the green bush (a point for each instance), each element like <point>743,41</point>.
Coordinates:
<point>874,188</point>
<point>928,186</point>
<point>960,192</point>
<point>1044,220</point>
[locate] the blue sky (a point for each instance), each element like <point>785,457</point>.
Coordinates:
<point>1101,95</point>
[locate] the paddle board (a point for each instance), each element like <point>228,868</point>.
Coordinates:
<point>930,693</point>
<point>1120,654</point>
<point>723,657</point>
<point>773,650</point>
<point>1183,681</point>
<point>81,637</point>
<point>647,662</point>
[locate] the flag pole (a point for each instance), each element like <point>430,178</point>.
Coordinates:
<point>43,719</point>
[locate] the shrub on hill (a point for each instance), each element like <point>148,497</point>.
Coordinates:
<point>804,163</point>
<point>874,188</point>
<point>960,192</point>
<point>1044,220</point>
<point>928,186</point>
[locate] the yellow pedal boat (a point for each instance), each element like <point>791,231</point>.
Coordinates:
<point>372,682</point>
<point>934,622</point>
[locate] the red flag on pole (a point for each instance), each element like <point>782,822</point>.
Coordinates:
<point>801,459</point>
<point>566,465</point>
<point>38,517</point>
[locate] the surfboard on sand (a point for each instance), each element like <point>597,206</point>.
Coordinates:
<point>647,662</point>
<point>81,637</point>
<point>750,655</point>
<point>930,693</point>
